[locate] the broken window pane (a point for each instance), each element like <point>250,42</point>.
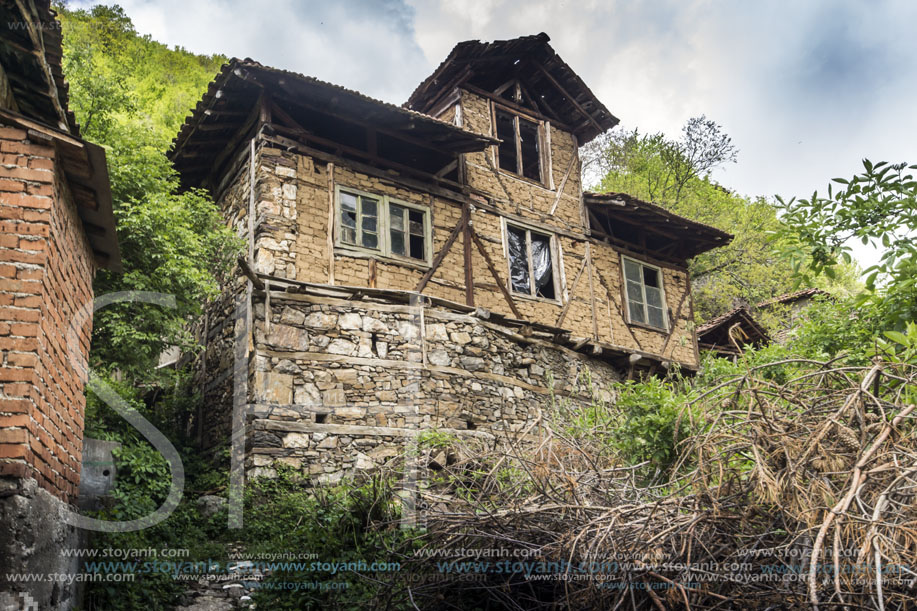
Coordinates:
<point>417,247</point>
<point>531,162</point>
<point>518,260</point>
<point>541,266</point>
<point>396,213</point>
<point>416,222</point>
<point>348,218</point>
<point>650,276</point>
<point>507,133</point>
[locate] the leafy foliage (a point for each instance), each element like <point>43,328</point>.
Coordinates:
<point>877,207</point>
<point>130,95</point>
<point>676,175</point>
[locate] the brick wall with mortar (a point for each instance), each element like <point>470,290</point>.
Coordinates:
<point>46,269</point>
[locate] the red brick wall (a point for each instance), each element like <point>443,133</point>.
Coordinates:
<point>46,272</point>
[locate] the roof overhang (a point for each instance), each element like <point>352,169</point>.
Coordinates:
<point>231,101</point>
<point>676,237</point>
<point>85,170</point>
<point>723,333</point>
<point>560,91</point>
<point>30,57</point>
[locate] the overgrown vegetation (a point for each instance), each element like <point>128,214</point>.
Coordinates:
<point>748,456</point>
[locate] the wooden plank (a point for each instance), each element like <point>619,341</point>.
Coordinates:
<point>573,101</point>
<point>563,313</point>
<point>595,320</point>
<point>563,183</point>
<point>330,240</point>
<point>443,251</point>
<point>466,243</point>
<point>495,273</point>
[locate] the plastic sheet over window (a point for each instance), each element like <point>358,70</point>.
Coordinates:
<point>541,266</point>
<point>518,260</point>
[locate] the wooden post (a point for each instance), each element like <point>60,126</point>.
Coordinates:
<point>595,321</point>
<point>466,242</point>
<point>331,223</point>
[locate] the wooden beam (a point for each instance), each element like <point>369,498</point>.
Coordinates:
<point>438,259</point>
<point>250,274</point>
<point>595,320</point>
<point>563,313</point>
<point>307,137</point>
<point>331,219</point>
<point>563,91</point>
<point>366,168</point>
<point>495,273</point>
<point>528,113</point>
<point>466,243</point>
<point>563,184</point>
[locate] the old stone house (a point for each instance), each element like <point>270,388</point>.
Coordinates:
<point>56,231</point>
<point>430,266</point>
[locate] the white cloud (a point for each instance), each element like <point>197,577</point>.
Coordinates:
<point>805,89</point>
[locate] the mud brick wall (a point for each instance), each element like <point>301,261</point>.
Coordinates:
<point>46,268</point>
<point>294,195</point>
<point>341,386</point>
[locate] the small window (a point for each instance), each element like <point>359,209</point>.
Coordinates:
<point>645,297</point>
<point>519,151</point>
<point>407,232</point>
<point>377,223</point>
<point>531,268</point>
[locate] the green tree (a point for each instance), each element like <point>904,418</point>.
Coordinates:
<point>130,95</point>
<point>676,175</point>
<point>878,207</point>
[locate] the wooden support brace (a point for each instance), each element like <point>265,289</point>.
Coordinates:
<point>438,259</point>
<point>563,313</point>
<point>563,183</point>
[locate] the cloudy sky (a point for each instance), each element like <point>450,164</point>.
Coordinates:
<point>805,89</point>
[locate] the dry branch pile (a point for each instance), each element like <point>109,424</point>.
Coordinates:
<point>785,495</point>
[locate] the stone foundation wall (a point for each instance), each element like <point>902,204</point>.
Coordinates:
<point>341,386</point>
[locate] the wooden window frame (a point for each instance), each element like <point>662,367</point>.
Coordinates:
<point>383,228</point>
<point>665,309</point>
<point>543,153</point>
<point>554,247</point>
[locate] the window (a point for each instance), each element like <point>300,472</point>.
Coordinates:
<point>519,152</point>
<point>531,268</point>
<point>359,220</point>
<point>379,224</point>
<point>645,297</point>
